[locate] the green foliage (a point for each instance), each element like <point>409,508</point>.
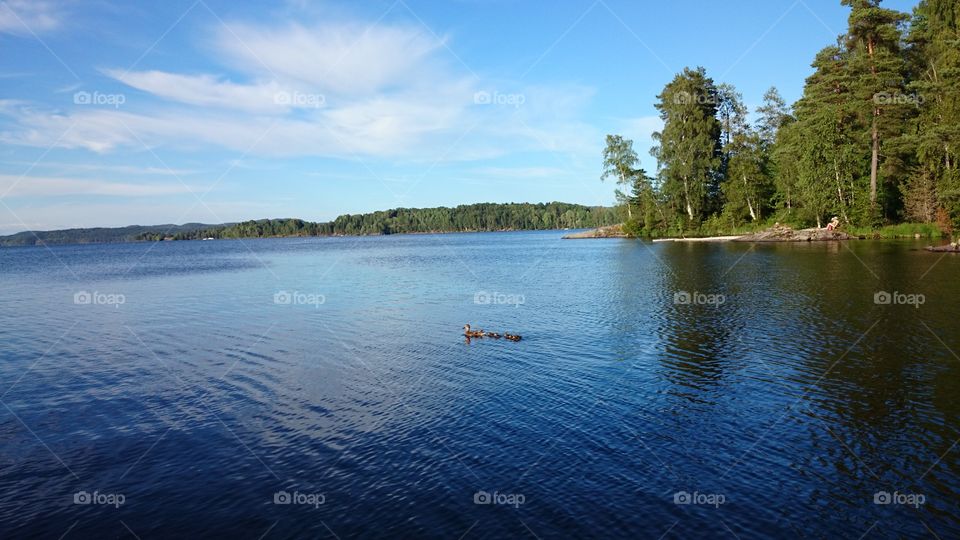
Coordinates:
<point>873,140</point>
<point>620,162</point>
<point>464,218</point>
<point>900,230</point>
<point>688,147</point>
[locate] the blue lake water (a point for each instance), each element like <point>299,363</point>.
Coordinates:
<point>322,387</point>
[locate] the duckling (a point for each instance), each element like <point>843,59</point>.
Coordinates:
<point>472,333</point>
<point>512,337</point>
<point>493,335</point>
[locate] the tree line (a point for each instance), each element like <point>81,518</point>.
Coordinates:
<point>874,139</point>
<point>464,218</point>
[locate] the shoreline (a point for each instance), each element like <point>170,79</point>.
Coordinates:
<point>171,240</point>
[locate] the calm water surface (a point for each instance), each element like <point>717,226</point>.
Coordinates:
<point>199,383</point>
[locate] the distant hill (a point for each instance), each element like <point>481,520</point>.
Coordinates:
<point>99,234</point>
<point>464,218</point>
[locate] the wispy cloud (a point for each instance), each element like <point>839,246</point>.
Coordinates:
<point>331,90</point>
<point>25,17</point>
<point>205,90</point>
<point>14,186</point>
<point>348,58</point>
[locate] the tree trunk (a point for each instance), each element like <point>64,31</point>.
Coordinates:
<point>686,195</point>
<point>874,159</point>
<point>843,203</point>
<point>623,182</point>
<point>753,215</point>
<point>874,134</point>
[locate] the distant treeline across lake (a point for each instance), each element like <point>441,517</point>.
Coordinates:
<point>464,218</point>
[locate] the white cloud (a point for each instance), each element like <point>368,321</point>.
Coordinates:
<point>121,169</point>
<point>346,58</point>
<point>14,186</point>
<point>389,92</point>
<point>25,17</point>
<point>204,90</point>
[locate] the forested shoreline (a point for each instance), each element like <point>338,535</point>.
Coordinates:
<point>873,140</point>
<point>479,217</point>
<point>482,217</point>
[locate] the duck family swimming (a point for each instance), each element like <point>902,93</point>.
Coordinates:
<point>470,333</point>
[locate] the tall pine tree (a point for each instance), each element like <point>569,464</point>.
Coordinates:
<point>688,147</point>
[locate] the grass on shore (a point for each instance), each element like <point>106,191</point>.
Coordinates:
<point>900,230</point>
<point>714,228</point>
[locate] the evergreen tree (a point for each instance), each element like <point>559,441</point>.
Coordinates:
<point>876,69</point>
<point>935,64</point>
<point>688,147</point>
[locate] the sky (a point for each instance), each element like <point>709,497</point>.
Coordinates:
<point>120,112</point>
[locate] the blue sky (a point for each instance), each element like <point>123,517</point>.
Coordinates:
<point>117,112</point>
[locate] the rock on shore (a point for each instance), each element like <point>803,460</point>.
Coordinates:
<point>610,231</point>
<point>783,233</point>
<point>949,248</point>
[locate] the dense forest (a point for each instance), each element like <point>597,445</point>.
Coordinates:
<point>464,218</point>
<point>98,235</point>
<point>873,140</point>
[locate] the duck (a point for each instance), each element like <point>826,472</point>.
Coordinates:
<point>493,335</point>
<point>472,333</point>
<point>512,337</point>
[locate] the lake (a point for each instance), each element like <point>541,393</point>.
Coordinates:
<point>322,387</point>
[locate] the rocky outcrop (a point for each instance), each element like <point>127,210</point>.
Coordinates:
<point>610,231</point>
<point>949,248</point>
<point>783,233</point>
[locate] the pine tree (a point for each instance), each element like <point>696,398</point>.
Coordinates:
<point>688,147</point>
<point>876,65</point>
<point>935,63</point>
